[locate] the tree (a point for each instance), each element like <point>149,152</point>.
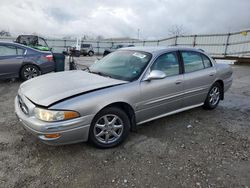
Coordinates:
<point>4,33</point>
<point>176,30</point>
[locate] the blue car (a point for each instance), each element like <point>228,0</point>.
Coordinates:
<point>19,61</point>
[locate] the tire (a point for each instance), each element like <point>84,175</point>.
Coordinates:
<point>104,124</point>
<point>213,96</point>
<point>91,53</point>
<point>29,71</point>
<point>105,53</point>
<point>77,53</point>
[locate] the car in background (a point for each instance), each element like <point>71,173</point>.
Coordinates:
<point>128,88</point>
<point>114,48</point>
<point>87,49</point>
<point>17,60</point>
<point>33,41</point>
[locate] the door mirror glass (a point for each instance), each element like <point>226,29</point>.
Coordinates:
<point>156,74</point>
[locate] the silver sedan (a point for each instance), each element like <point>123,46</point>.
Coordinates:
<point>124,89</point>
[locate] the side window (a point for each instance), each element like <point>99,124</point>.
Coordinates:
<point>167,63</point>
<point>192,61</point>
<point>206,61</point>
<point>8,50</point>
<point>85,45</point>
<point>20,51</point>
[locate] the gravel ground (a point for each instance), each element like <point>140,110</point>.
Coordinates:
<point>196,148</point>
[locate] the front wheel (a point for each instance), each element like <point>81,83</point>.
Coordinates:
<point>213,97</point>
<point>29,71</point>
<point>109,128</point>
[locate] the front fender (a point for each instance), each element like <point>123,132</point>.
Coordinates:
<point>93,102</point>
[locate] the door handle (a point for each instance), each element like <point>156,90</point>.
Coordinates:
<point>19,57</point>
<point>178,81</point>
<point>211,74</point>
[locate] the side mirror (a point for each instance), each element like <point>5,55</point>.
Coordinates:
<point>156,74</point>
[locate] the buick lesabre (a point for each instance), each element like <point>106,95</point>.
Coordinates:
<point>126,88</point>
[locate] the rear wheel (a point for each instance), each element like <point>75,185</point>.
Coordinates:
<point>29,71</point>
<point>109,128</point>
<point>213,97</point>
<point>91,53</point>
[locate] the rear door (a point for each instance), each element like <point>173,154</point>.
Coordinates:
<point>11,58</point>
<point>161,96</point>
<point>198,77</point>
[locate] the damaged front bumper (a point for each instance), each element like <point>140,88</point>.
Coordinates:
<point>69,131</point>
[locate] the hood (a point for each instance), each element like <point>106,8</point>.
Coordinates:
<point>47,89</point>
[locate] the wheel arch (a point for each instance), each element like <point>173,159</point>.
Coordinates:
<point>28,63</point>
<point>128,109</point>
<point>222,87</point>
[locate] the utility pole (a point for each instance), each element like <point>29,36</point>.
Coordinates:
<point>138,34</point>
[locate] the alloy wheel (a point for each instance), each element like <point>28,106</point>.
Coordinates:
<point>108,128</point>
<point>30,72</point>
<point>214,95</point>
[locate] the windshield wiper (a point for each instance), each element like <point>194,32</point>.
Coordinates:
<point>86,68</point>
<point>100,73</point>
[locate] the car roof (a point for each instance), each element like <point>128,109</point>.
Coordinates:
<point>14,43</point>
<point>159,49</point>
<point>36,36</point>
<point>21,45</point>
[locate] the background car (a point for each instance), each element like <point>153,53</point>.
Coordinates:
<point>87,49</point>
<point>128,88</point>
<point>114,48</point>
<point>17,60</point>
<point>33,41</point>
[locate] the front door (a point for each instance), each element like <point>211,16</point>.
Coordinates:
<point>161,96</point>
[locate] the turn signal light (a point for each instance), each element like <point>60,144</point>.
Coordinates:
<point>70,115</point>
<point>56,135</point>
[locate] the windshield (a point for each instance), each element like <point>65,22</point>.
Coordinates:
<point>122,65</point>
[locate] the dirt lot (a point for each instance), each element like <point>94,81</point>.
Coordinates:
<point>196,148</point>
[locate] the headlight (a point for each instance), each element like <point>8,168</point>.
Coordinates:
<point>53,115</point>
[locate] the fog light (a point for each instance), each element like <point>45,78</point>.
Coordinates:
<point>56,135</point>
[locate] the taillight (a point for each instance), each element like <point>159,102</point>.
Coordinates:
<point>49,57</point>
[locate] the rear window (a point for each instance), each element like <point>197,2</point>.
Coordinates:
<point>206,61</point>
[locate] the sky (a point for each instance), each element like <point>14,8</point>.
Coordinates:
<point>123,18</point>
